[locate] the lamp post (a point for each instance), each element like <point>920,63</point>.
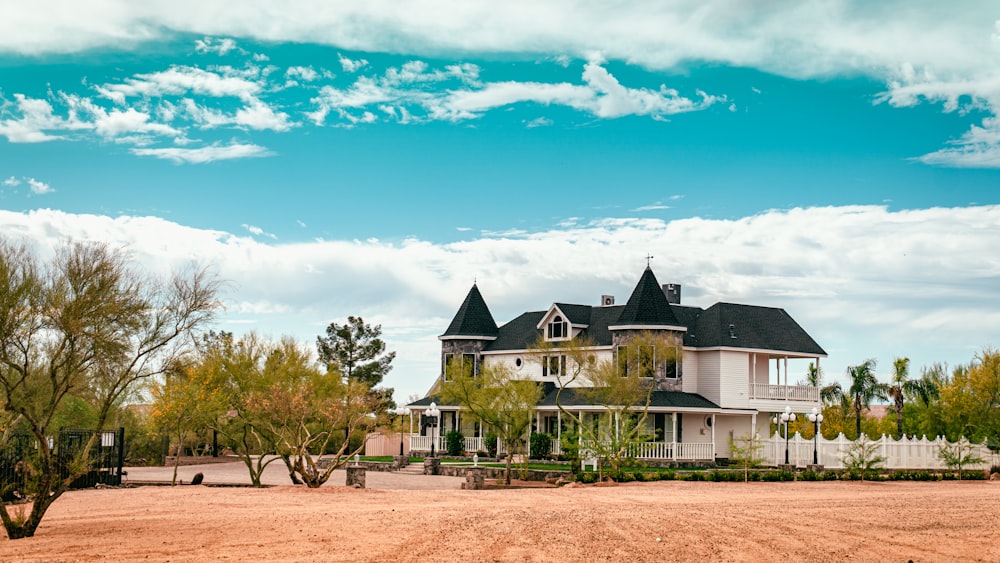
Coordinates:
<point>786,416</point>
<point>405,411</point>
<point>816,418</point>
<point>434,413</point>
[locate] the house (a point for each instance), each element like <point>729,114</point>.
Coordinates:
<point>731,377</point>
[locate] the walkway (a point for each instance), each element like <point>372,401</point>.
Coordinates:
<point>236,473</point>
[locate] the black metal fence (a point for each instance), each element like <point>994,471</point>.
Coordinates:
<point>107,456</point>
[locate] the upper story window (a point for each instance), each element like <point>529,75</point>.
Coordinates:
<point>643,361</point>
<point>558,329</point>
<point>554,366</point>
<point>453,362</point>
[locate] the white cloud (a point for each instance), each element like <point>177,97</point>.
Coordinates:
<point>652,207</point>
<point>856,278</point>
<point>538,122</point>
<point>306,73</point>
<point>352,65</point>
<point>217,46</point>
<point>36,119</point>
<point>181,80</point>
<point>255,230</point>
<point>205,154</point>
<point>12,182</point>
<point>38,187</point>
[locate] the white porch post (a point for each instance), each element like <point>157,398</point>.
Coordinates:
<point>559,426</point>
<point>673,430</point>
<point>714,453</point>
<point>753,374</point>
<point>753,425</point>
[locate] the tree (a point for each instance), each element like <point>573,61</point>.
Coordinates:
<point>496,398</point>
<point>623,387</point>
<point>301,408</point>
<point>865,388</point>
<point>900,386</point>
<point>356,351</point>
<point>862,457</point>
<point>186,400</point>
<point>83,324</point>
<point>746,452</point>
<point>960,454</point>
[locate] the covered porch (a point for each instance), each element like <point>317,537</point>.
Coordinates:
<point>770,386</point>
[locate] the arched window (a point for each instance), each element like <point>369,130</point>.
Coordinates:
<point>558,328</point>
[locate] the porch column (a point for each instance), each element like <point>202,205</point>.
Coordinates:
<point>673,430</point>
<point>559,427</point>
<point>713,436</point>
<point>753,374</point>
<point>753,425</point>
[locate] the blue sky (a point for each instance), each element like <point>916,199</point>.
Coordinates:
<point>834,159</point>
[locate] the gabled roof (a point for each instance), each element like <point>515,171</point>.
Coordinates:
<point>578,315</point>
<point>648,305</point>
<point>473,318</point>
<point>747,326</point>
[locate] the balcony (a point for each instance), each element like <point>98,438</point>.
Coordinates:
<point>769,392</point>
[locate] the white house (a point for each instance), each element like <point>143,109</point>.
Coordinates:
<point>732,376</point>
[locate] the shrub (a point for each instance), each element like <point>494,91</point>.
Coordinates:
<point>588,477</point>
<point>454,443</point>
<point>541,445</point>
<point>810,475</point>
<point>490,443</point>
<point>668,475</point>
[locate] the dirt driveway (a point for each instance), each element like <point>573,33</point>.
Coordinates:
<point>664,521</point>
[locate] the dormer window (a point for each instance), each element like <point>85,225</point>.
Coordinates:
<point>558,329</point>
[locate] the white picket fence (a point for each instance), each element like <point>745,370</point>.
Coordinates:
<point>905,453</point>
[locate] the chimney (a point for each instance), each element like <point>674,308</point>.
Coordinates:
<point>607,300</point>
<point>673,293</point>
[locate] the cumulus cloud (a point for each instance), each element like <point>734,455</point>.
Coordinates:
<point>255,230</point>
<point>352,65</point>
<point>12,182</point>
<point>202,155</point>
<point>863,280</point>
<point>38,187</point>
<point>217,46</point>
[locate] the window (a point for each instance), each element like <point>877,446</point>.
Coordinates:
<point>554,366</point>
<point>468,364</point>
<point>623,361</point>
<point>647,361</point>
<point>671,367</point>
<point>558,328</point>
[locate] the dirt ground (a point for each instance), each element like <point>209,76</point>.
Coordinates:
<point>664,521</point>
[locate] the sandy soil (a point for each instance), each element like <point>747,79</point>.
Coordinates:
<point>665,521</point>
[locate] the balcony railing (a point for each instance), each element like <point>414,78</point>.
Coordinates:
<point>784,392</point>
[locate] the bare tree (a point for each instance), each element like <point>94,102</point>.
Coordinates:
<point>89,324</point>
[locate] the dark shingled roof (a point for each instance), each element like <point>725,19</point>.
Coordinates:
<point>575,314</point>
<point>571,397</point>
<point>473,317</point>
<point>648,306</point>
<point>763,328</point>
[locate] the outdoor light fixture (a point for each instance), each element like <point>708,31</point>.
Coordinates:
<point>816,418</point>
<point>405,411</point>
<point>787,416</point>
<point>434,413</point>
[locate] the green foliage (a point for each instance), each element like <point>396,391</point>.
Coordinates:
<point>541,445</point>
<point>454,443</point>
<point>959,455</point>
<point>588,477</point>
<point>355,350</point>
<point>865,388</point>
<point>746,452</point>
<point>490,443</point>
<point>80,332</point>
<point>862,458</point>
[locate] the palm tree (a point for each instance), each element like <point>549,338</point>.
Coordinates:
<point>828,394</point>
<point>865,388</point>
<point>900,385</point>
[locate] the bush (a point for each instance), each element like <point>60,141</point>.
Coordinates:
<point>810,475</point>
<point>668,475</point>
<point>490,443</point>
<point>588,477</point>
<point>779,475</point>
<point>541,445</point>
<point>454,443</point>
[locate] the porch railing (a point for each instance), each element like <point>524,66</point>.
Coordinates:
<point>784,392</point>
<point>423,444</point>
<point>673,450</point>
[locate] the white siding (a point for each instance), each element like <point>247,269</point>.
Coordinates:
<point>531,368</point>
<point>728,427</point>
<point>694,428</point>
<point>708,375</point>
<point>734,384</point>
<point>689,371</point>
<point>762,372</point>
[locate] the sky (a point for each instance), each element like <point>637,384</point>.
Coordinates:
<point>840,160</point>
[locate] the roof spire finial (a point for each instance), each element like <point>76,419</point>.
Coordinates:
<point>648,258</point>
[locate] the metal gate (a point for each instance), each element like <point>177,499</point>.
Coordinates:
<point>107,455</point>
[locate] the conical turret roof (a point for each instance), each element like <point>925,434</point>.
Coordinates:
<point>473,318</point>
<point>648,306</point>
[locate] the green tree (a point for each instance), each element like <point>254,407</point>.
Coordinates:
<point>356,350</point>
<point>862,457</point>
<point>623,389</point>
<point>960,454</point>
<point>184,401</point>
<point>747,452</point>
<point>865,388</point>
<point>86,324</point>
<point>302,407</point>
<point>900,386</point>
<point>497,399</point>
